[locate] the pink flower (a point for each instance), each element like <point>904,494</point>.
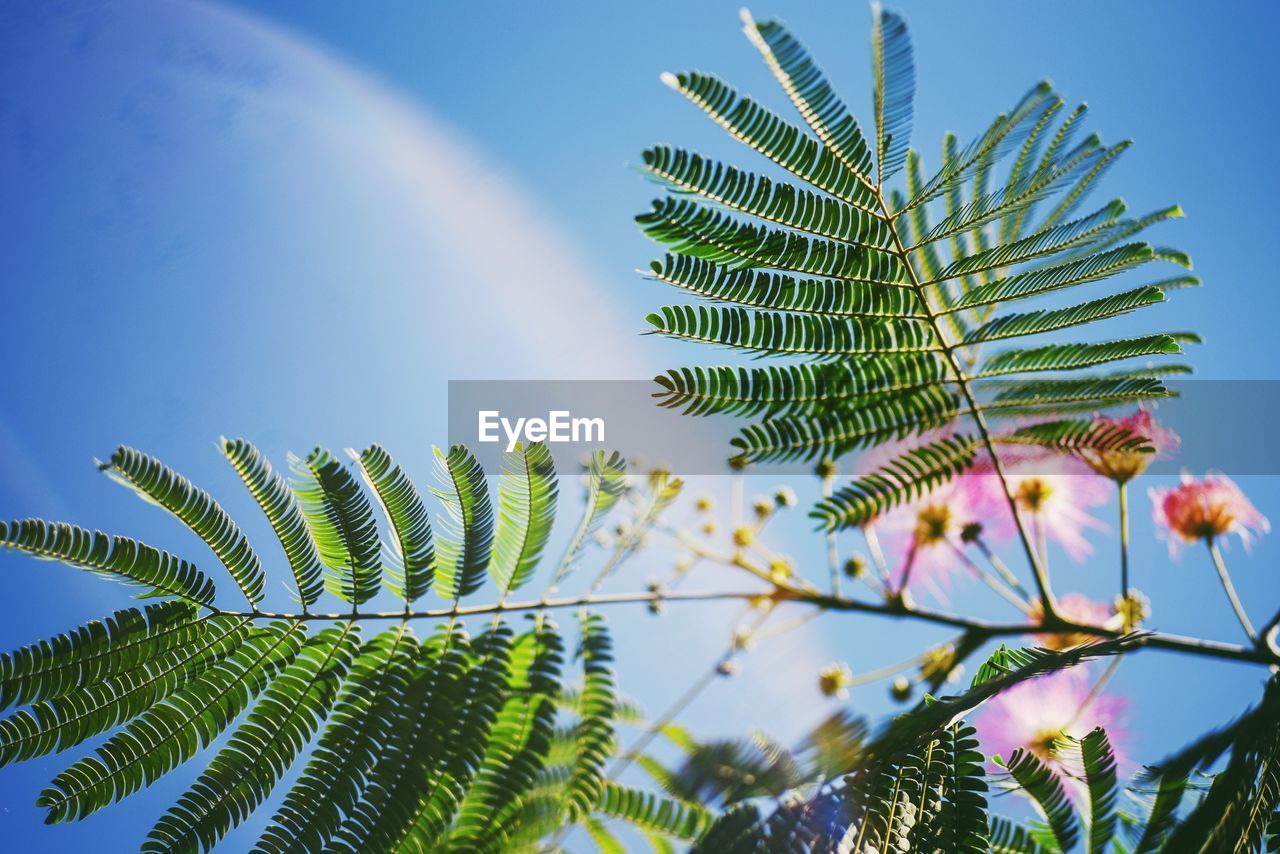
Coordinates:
<point>1036,715</point>
<point>1204,510</point>
<point>927,531</point>
<point>1124,466</point>
<point>1055,492</point>
<point>1077,608</point>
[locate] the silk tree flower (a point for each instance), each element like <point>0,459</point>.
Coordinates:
<point>926,532</point>
<point>1077,608</point>
<point>1055,492</point>
<point>1124,466</point>
<point>1205,510</point>
<point>1038,715</point>
<point>834,681</point>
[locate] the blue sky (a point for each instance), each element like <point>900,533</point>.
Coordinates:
<point>297,221</point>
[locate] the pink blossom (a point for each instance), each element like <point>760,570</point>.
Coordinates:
<point>927,531</point>
<point>1204,510</point>
<point>1036,714</point>
<point>1077,608</point>
<point>1055,492</point>
<point>1123,466</point>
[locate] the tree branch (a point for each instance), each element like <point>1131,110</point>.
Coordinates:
<point>894,610</point>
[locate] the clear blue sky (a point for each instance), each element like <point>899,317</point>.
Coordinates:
<point>217,224</point>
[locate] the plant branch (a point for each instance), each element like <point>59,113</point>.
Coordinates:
<point>962,380</point>
<point>1230,589</point>
<point>894,610</point>
<point>1124,550</point>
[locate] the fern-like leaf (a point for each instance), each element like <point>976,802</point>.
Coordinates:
<point>168,734</point>
<point>331,783</point>
<point>411,564</point>
<point>527,494</point>
<point>157,483</point>
<point>679,819</point>
<point>1100,778</point>
<point>261,749</point>
<point>605,484</point>
<point>466,537</point>
<point>96,651</point>
<point>594,730</point>
<point>894,76</point>
<point>341,520</point>
<point>1044,787</point>
<point>157,572</point>
<point>904,479</point>
<point>280,505</point>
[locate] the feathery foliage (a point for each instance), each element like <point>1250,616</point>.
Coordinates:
<point>879,284</point>
<point>449,742</point>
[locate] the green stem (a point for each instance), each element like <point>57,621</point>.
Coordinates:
<point>991,581</point>
<point>979,420</point>
<point>1230,589</point>
<point>1124,553</point>
<point>833,553</point>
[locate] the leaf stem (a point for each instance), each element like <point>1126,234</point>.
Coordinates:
<point>979,420</point>
<point>1230,589</point>
<point>1124,553</point>
<point>1154,640</point>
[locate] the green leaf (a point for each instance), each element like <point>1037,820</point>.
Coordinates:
<point>1042,244</point>
<point>1045,789</point>
<point>1036,322</point>
<point>54,725</point>
<point>518,741</point>
<point>527,494</point>
<point>1089,435</point>
<point>341,520</point>
<point>704,232</point>
<point>1067,274</point>
<point>791,334</point>
<point>157,483</point>
<point>606,481</point>
<point>1100,777</point>
<point>262,748</point>
<point>419,709</point>
<point>811,95</point>
<point>647,810</point>
<point>779,140</point>
<point>1072,357</point>
<point>755,288</point>
<point>894,89</point>
<point>280,505</point>
<point>1046,397</point>
<point>594,730</point>
<point>962,825</point>
<point>1005,132</point>
<point>466,537</point>
<point>735,831</point>
<point>1163,815</point>
<point>864,422</point>
<point>1006,837</point>
<point>361,718</point>
<point>763,198</point>
<point>904,479</point>
<point>809,388</point>
<point>96,651</point>
<point>167,735</point>
<point>411,565</point>
<point>121,558</point>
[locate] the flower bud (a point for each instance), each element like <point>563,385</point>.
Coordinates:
<point>900,689</point>
<point>855,567</point>
<point>834,680</point>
